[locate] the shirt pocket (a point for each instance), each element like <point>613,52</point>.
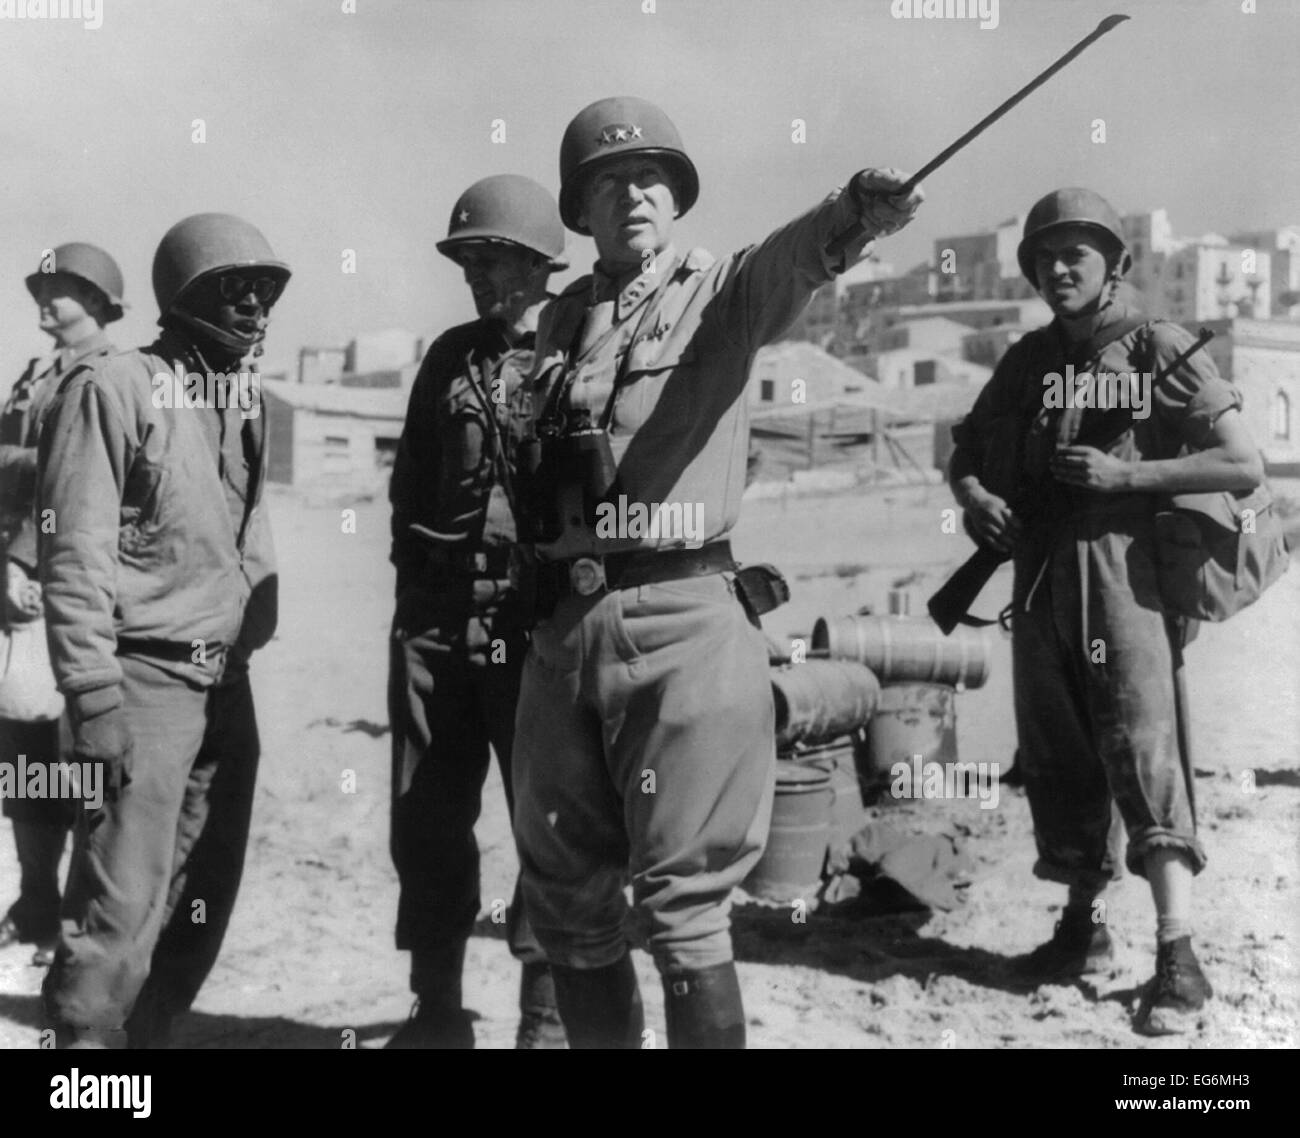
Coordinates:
<point>660,390</point>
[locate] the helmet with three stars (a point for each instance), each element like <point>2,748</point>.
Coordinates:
<point>506,208</point>
<point>88,263</point>
<point>1071,206</point>
<point>207,244</point>
<point>612,128</point>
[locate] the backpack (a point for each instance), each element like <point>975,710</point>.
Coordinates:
<point>1217,552</point>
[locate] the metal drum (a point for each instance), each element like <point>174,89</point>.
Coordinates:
<point>791,865</point>
<point>905,649</point>
<point>911,719</point>
<point>820,700</point>
<point>848,813</point>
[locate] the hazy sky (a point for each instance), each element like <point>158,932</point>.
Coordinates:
<point>333,131</point>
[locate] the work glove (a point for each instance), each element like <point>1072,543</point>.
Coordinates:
<point>22,595</point>
<point>880,213</point>
<point>100,735</point>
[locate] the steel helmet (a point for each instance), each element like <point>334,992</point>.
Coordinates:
<point>507,208</point>
<point>611,128</point>
<point>1071,206</point>
<point>88,263</point>
<point>209,243</point>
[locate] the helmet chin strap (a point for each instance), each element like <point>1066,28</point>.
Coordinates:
<point>1104,299</point>
<point>235,343</point>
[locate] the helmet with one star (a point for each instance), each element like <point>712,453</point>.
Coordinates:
<point>506,208</point>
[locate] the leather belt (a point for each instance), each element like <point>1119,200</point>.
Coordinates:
<point>583,576</point>
<point>173,651</point>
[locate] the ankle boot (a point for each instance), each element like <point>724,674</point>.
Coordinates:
<point>1174,1000</point>
<point>540,1028</point>
<point>437,1021</point>
<point>704,1010</point>
<point>600,1007</point>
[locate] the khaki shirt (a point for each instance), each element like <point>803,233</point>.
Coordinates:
<point>683,338</point>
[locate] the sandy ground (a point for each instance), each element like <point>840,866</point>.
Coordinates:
<point>309,956</point>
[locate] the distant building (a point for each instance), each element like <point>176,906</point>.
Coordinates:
<point>324,436</point>
<point>321,365</point>
<point>1262,357</point>
<point>988,345</point>
<point>940,335</point>
<point>913,367</point>
<point>401,377</point>
<point>1212,279</point>
<point>392,350</point>
<point>1150,240</point>
<point>1283,248</point>
<point>791,371</point>
<point>860,299</point>
<point>981,266</point>
<point>975,330</point>
<point>389,348</point>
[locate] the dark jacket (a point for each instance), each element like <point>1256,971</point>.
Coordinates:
<point>158,540</point>
<point>447,472</point>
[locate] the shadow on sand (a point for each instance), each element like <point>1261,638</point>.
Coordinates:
<point>203,1030</point>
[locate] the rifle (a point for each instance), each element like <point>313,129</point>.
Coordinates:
<point>950,606</point>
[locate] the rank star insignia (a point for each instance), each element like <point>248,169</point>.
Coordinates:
<point>618,132</point>
<point>464,216</point>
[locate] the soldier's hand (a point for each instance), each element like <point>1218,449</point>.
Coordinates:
<point>99,734</point>
<point>1090,469</point>
<point>880,211</point>
<point>22,595</point>
<point>989,520</point>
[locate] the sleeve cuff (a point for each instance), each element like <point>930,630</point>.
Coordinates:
<point>844,213</point>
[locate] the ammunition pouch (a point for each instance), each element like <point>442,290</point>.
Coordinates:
<point>761,588</point>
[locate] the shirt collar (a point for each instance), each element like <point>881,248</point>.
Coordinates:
<point>71,356</point>
<point>628,297</point>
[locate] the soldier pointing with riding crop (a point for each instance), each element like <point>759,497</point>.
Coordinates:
<point>644,747</point>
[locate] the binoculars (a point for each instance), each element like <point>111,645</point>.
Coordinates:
<point>569,451</point>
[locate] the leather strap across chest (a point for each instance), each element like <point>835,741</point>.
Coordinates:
<point>573,359</point>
